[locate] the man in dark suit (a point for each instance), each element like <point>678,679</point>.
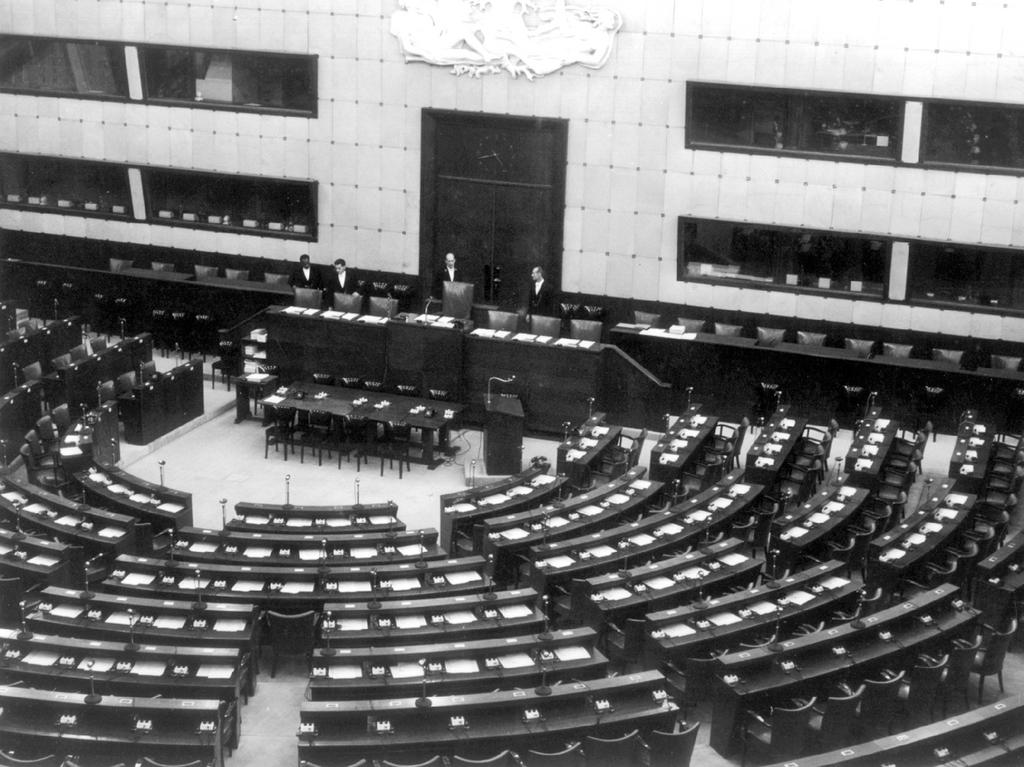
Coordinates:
<point>305,275</point>
<point>450,273</point>
<point>343,280</point>
<point>542,294</point>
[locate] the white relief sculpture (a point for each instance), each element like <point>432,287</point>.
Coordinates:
<point>522,37</point>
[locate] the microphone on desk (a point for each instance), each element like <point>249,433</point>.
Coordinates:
<point>510,379</point>
<point>374,603</point>
<point>426,307</point>
<point>223,516</point>
<point>421,562</point>
<point>14,368</point>
<point>92,698</point>
<point>775,645</point>
<point>161,463</point>
<point>86,594</point>
<point>131,646</point>
<point>423,701</point>
<point>56,309</point>
<point>689,395</point>
<point>566,425</point>
<point>489,595</point>
<point>472,473</point>
<point>24,633</point>
<point>590,407</point>
<point>199,606</point>
<point>545,634</point>
<point>323,569</point>
<point>288,490</point>
<point>870,403</point>
<point>18,533</point>
<point>542,688</point>
<point>326,631</point>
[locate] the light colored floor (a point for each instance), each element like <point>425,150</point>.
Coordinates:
<point>221,459</point>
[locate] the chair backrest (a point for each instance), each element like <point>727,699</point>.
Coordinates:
<point>499,320</point>
<point>124,383</point>
<point>646,318</point>
<point>770,336</point>
<point>78,353</point>
<point>457,299</point>
<point>1006,362</point>
<point>585,330</point>
<point>382,306</point>
<point>953,356</point>
<point>348,302</point>
<point>691,325</point>
<point>106,391</point>
<point>862,346</point>
<point>205,271</point>
<point>672,749</point>
<point>789,729</point>
<point>725,329</point>
<point>878,705</point>
<point>545,326</point>
<point>161,266</point>
<point>147,762</point>
<point>896,350</point>
<point>308,298</point>
<point>958,670</point>
<point>612,752</point>
<point>61,361</point>
<point>98,344</point>
<point>995,651</point>
<point>434,761</point>
<point>120,264</point>
<point>291,633</point>
<point>148,370</point>
<point>61,417</point>
<point>505,759</point>
<point>33,371</point>
<point>570,756</point>
<point>243,274</point>
<point>8,759</point>
<point>808,338</point>
<point>838,719</point>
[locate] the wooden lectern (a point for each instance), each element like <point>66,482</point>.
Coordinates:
<point>503,436</point>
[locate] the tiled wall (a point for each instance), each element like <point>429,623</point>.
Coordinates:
<point>629,175</point>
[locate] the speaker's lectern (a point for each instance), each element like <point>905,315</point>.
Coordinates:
<point>503,436</point>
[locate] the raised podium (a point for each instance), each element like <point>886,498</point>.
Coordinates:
<point>503,436</point>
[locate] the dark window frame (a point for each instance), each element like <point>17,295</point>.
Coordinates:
<point>753,284</point>
<point>926,119</point>
<point>803,94</point>
<point>92,96</point>
<point>78,208</point>
<point>311,59</point>
<point>153,215</point>
<point>918,295</point>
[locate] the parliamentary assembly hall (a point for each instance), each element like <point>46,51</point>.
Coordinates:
<point>511,383</point>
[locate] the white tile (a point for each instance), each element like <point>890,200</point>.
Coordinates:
<point>876,211</point>
<point>713,63</point>
<point>867,313</point>
<point>625,145</point>
<point>651,241</point>
<point>997,222</point>
<point>846,209</point>
<point>935,215</point>
<point>965,221</point>
<point>906,214</point>
<point>924,319</point>
<point>800,64</point>
<point>618,276</point>
<point>988,326</point>
<point>818,202</point>
<point>595,231</point>
<point>620,233</point>
<point>895,315</point>
<point>592,275</point>
<point>741,61</point>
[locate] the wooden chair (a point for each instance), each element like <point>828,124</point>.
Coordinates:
<point>989,660</point>
<point>879,707</point>
<point>832,726</point>
<point>291,635</point>
<point>348,302</point>
<point>8,759</point>
<point>499,320</point>
<point>504,759</point>
<point>243,274</point>
<point>585,330</point>
<point>204,271</point>
<point>308,298</point>
<point>671,749</point>
<point>612,752</point>
<point>570,756</point>
<point>780,736</point>
<point>546,326</point>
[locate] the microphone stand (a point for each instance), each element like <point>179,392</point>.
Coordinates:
<point>92,698</point>
<point>18,534</point>
<point>489,595</point>
<point>288,491</point>
<point>328,651</point>
<point>421,563</point>
<point>545,634</point>
<point>374,603</point>
<point>490,380</point>
<point>472,473</point>
<point>775,645</point>
<point>199,606</point>
<point>323,569</point>
<point>223,516</point>
<point>161,463</point>
<point>689,396</point>
<point>543,688</point>
<point>24,633</point>
<point>423,701</point>
<point>131,646</point>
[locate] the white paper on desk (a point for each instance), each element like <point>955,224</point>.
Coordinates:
<point>845,492</point>
<point>586,344</point>
<point>640,484</point>
<point>732,559</point>
<point>14,498</point>
<point>690,573</point>
<point>405,584</point>
<point>677,630</point>
<point>258,552</point>
<point>494,500</point>
<point>932,527</point>
<point>881,423</point>
<point>148,668</point>
<point>350,316</point>
<point>370,319</point>
<point>513,533</point>
<point>292,310</point>
<point>557,522</point>
<point>410,621</point>
<point>4,548</point>
<point>68,519</point>
<point>956,499</point>
<point>351,624</point>
<point>795,532</point>
<point>172,508</point>
<point>874,438</point>
<point>338,522</point>
<point>484,333</point>
<point>256,520</point>
<point>119,489</point>
<point>614,594</point>
<point>308,555</point>
<point>666,458</point>
<point>43,560</point>
<point>458,617</point>
<point>670,528</point>
<point>575,455</point>
<point>175,622</point>
<point>348,587</point>
<point>587,442</point>
<point>67,452</point>
<point>461,666</point>
<point>863,464</point>
<point>99,665</point>
<point>945,514</point>
<point>590,510</point>
<point>502,333</point>
<point>763,608</point>
<point>515,660</point>
<point>524,337</point>
<point>257,377</point>
<point>514,611</point>
<point>558,561</point>
<point>345,671</point>
<point>67,611</point>
<point>247,586</point>
<point>41,658</point>
<point>460,577</point>
<point>406,670</point>
<point>772,449</point>
<point>138,579</point>
<point>641,539</point>
<point>297,587</point>
<point>362,552</point>
<point>571,652</point>
<point>111,532</point>
<point>762,462</point>
<point>542,479</point>
<point>191,582</point>
<point>412,550</point>
<point>799,597</point>
<point>916,539</point>
<point>618,498</point>
<point>118,619</point>
<point>871,450</point>
<point>544,339</point>
<point>833,506</point>
<point>140,498</point>
<point>698,516</point>
<point>659,582</point>
<point>512,492</point>
<point>601,550</point>
<point>818,518</point>
<point>891,554</point>
<point>463,507</point>
<point>720,503</point>
<point>214,671</point>
<point>738,489</point>
<point>724,619</point>
<point>273,399</point>
<point>203,547</point>
<point>833,582</point>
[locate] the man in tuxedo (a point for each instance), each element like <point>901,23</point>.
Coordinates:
<point>305,275</point>
<point>542,294</point>
<point>343,280</point>
<point>450,273</point>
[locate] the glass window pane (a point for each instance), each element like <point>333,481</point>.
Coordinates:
<point>67,186</point>
<point>263,81</point>
<point>62,66</point>
<point>737,252</point>
<point>970,134</point>
<point>959,274</point>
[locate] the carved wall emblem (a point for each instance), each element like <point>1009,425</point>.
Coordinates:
<point>522,37</point>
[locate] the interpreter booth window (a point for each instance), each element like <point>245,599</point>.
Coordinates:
<point>63,67</point>
<point>243,80</point>
<point>973,134</point>
<point>64,186</point>
<point>210,200</point>
<point>966,275</point>
<point>723,251</point>
<point>778,120</point>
